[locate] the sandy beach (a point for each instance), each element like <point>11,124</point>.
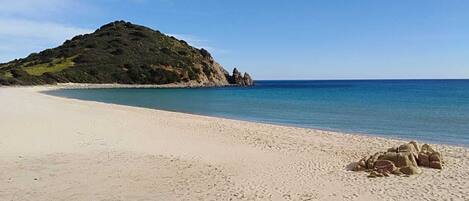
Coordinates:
<point>54,148</point>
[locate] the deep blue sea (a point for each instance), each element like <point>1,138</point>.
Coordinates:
<point>428,110</point>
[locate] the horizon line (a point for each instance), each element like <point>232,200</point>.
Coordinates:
<point>364,79</point>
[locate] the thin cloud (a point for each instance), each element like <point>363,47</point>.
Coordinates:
<point>23,8</point>
<point>198,43</point>
<point>49,31</point>
<point>21,37</point>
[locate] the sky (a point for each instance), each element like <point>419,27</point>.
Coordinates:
<point>271,39</point>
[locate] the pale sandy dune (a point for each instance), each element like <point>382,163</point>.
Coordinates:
<point>54,148</point>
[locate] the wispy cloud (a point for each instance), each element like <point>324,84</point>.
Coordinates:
<point>49,31</point>
<point>19,35</point>
<point>192,40</point>
<point>35,8</point>
<point>199,43</point>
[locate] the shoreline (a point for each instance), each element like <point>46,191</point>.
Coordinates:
<point>118,86</point>
<point>57,148</point>
<point>176,86</point>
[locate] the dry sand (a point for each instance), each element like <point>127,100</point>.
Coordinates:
<point>54,148</point>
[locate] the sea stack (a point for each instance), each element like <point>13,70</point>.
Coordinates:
<point>248,80</point>
<point>240,80</point>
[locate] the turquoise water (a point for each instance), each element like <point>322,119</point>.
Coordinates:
<point>428,110</point>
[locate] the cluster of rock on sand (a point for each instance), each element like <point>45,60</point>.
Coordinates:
<point>404,159</point>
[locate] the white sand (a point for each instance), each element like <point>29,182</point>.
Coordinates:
<point>54,148</point>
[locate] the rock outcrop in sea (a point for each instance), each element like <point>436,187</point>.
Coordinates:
<point>239,79</point>
<point>404,159</point>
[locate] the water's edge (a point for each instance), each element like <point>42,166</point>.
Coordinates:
<point>46,92</point>
<point>215,101</point>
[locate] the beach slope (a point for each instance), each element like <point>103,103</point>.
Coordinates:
<point>54,148</point>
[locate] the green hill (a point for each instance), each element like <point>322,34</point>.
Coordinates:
<point>119,52</point>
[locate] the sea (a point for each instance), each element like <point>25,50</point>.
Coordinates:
<point>435,111</point>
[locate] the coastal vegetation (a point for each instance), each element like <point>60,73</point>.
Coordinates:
<point>56,65</point>
<point>119,52</point>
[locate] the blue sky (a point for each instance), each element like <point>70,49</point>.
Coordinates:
<point>302,39</point>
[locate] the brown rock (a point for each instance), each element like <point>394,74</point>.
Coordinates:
<point>374,174</point>
<point>397,172</point>
<point>392,149</point>
<point>401,159</point>
<point>409,147</point>
<point>436,165</point>
<point>416,145</point>
<point>358,167</point>
<point>384,166</point>
<point>413,159</point>
<point>410,170</point>
<point>404,159</point>
<point>370,163</point>
<point>423,160</point>
<point>427,148</point>
<point>368,158</point>
<point>435,156</point>
<point>386,174</point>
<point>362,162</point>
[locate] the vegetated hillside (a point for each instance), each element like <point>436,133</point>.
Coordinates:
<point>119,52</point>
